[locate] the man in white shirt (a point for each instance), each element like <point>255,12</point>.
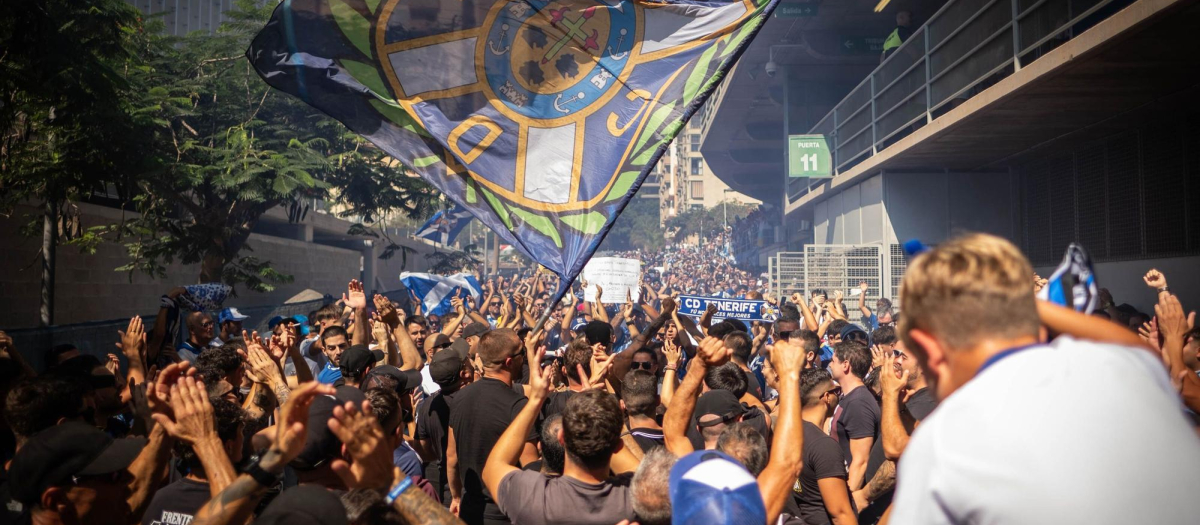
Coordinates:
<point>1116,447</point>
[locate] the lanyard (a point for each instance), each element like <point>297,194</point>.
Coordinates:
<point>1003,354</point>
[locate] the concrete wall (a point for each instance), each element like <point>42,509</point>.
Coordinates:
<point>89,289</point>
<point>892,208</point>
<point>1124,280</point>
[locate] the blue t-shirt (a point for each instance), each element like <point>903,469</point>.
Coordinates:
<point>407,460</point>
<point>872,323</point>
<point>329,374</point>
<point>187,352</point>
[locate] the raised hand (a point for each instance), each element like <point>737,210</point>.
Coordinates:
<point>627,308</point>
<point>379,330</point>
<point>192,421</point>
<point>837,296</point>
<point>668,306</point>
<point>599,293</point>
<point>797,299</point>
<point>787,358</point>
<point>291,428</point>
<point>1171,319</point>
<point>1155,279</point>
<point>366,444</point>
<point>281,344</point>
<point>355,297</point>
<point>133,339</point>
<point>457,303</point>
<point>259,366</point>
<point>862,286</point>
<point>712,352</point>
<point>878,356</point>
<point>672,352</point>
<point>158,392</point>
<point>891,383</point>
<point>541,378</point>
<point>416,303</point>
<point>1149,333</point>
<point>387,311</point>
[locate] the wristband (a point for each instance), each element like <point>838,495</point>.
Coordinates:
<point>399,489</point>
<point>671,367</point>
<point>1164,289</point>
<point>262,477</point>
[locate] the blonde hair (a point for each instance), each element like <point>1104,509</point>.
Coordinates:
<point>969,289</point>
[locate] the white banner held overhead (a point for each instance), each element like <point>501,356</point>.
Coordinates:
<point>615,275</point>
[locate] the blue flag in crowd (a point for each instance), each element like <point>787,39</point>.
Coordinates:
<point>445,225</point>
<point>1073,283</point>
<point>542,118</point>
<point>435,291</point>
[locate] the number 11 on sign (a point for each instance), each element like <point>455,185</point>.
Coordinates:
<point>808,156</point>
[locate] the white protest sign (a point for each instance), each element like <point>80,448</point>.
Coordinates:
<point>615,275</point>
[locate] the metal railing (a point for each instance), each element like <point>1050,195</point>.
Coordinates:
<point>964,48</point>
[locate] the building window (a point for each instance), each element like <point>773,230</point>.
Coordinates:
<point>697,189</point>
<point>697,166</point>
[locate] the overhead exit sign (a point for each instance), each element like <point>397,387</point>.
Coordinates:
<point>796,9</point>
<point>808,156</point>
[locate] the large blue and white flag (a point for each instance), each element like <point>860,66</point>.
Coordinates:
<point>541,117</point>
<point>435,291</point>
<point>1073,283</point>
<point>445,225</point>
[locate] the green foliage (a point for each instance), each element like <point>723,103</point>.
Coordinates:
<point>186,133</point>
<point>68,107</point>
<point>636,228</point>
<point>706,222</point>
<point>449,262</point>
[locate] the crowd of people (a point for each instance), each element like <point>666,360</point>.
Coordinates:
<point>976,403</point>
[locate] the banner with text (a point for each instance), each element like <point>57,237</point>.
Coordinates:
<point>740,309</point>
<point>615,275</point>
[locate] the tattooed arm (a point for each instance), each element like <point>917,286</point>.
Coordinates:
<point>234,504</point>
<point>417,507</point>
<point>883,481</point>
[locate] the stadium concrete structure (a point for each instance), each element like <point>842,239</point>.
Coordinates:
<point>1044,121</point>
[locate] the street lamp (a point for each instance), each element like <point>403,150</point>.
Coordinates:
<point>724,208</point>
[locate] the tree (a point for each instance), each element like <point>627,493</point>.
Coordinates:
<point>231,149</point>
<point>636,228</point>
<point>68,109</point>
<point>706,222</point>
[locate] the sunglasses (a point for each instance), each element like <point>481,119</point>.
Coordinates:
<point>837,391</point>
<point>642,365</point>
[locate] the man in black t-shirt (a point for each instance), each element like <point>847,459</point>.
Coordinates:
<point>907,400</point>
<point>479,413</point>
<point>451,371</point>
<point>820,496</point>
<point>742,344</point>
<point>180,501</point>
<point>856,421</point>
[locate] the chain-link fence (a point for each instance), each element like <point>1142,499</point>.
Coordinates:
<point>837,267</point>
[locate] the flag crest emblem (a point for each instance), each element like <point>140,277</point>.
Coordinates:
<point>540,117</point>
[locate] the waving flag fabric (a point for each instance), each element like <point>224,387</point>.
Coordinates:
<point>435,291</point>
<point>541,118</point>
<point>445,225</point>
<point>1073,283</point>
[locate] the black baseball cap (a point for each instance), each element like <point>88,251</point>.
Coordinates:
<point>406,379</point>
<point>445,366</point>
<point>721,403</point>
<point>357,358</point>
<point>73,449</point>
<point>322,444</point>
<point>304,505</point>
<point>474,329</point>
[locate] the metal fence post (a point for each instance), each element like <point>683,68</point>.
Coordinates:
<point>1016,32</point>
<point>874,137</point>
<point>928,75</point>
